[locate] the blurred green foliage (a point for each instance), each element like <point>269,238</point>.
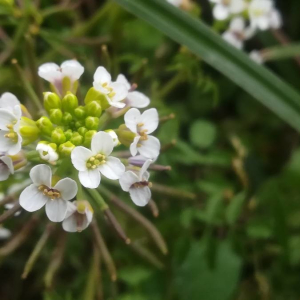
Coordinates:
<point>239,237</point>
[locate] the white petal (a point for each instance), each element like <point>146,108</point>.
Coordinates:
<point>79,157</point>
<point>71,208</point>
<point>137,99</point>
<point>41,175</point>
<point>140,196</point>
<point>70,224</point>
<point>132,118</point>
<point>6,118</point>
<point>15,148</point>
<point>232,39</point>
<point>50,72</point>
<point>67,188</point>
<point>133,146</point>
<point>102,143</point>
<point>9,100</point>
<point>122,79</point>
<point>90,178</point>
<point>220,12</point>
<point>89,217</point>
<point>150,120</point>
<point>144,169</point>
<point>4,172</point>
<point>275,19</point>
<point>256,56</point>
<point>31,199</point>
<point>113,168</point>
<point>9,163</point>
<point>72,69</point>
<point>237,6</point>
<point>56,210</point>
<point>5,143</point>
<point>150,148</point>
<point>4,233</point>
<point>120,91</point>
<point>102,76</point>
<point>98,86</point>
<point>115,103</point>
<point>127,180</point>
<point>237,24</point>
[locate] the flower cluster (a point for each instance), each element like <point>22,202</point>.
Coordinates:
<point>68,149</point>
<point>246,18</point>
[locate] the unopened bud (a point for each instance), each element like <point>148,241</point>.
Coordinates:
<point>125,136</point>
<point>28,130</point>
<point>51,101</point>
<point>66,149</point>
<point>94,109</point>
<point>67,118</point>
<point>68,134</point>
<point>58,136</point>
<point>76,139</point>
<point>88,138</point>
<point>79,112</point>
<point>80,124</point>
<point>82,131</point>
<point>94,95</point>
<point>56,116</point>
<point>45,125</point>
<point>69,103</point>
<point>92,123</point>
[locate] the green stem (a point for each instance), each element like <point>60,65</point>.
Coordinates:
<point>98,198</point>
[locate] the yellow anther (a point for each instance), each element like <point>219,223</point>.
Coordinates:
<point>10,126</point>
<point>97,162</point>
<point>139,145</point>
<point>150,184</point>
<point>104,84</point>
<point>81,207</point>
<point>111,95</point>
<point>99,156</point>
<point>92,159</point>
<point>140,124</point>
<point>94,167</point>
<point>88,165</point>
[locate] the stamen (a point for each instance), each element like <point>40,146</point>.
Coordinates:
<point>140,124</point>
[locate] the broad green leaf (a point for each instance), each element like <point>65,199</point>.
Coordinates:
<point>203,133</point>
<point>258,81</point>
<point>197,280</point>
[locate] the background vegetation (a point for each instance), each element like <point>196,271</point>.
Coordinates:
<point>232,230</point>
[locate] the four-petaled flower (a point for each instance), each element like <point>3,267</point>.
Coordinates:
<point>10,138</point>
<point>143,124</point>
<point>55,74</point>
<point>6,167</point>
<point>137,184</point>
<point>42,193</point>
<point>134,98</point>
<point>90,163</point>
<point>79,216</point>
<point>115,92</point>
<point>47,153</point>
<point>224,8</point>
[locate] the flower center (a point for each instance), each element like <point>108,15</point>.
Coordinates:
<point>51,193</point>
<point>226,2</point>
<point>12,135</point>
<point>142,184</point>
<point>96,161</point>
<point>110,90</point>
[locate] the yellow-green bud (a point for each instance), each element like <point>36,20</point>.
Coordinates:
<point>125,136</point>
<point>93,109</point>
<point>92,123</point>
<point>94,95</point>
<point>66,149</point>
<point>56,116</point>
<point>58,136</point>
<point>67,118</point>
<point>68,134</point>
<point>76,139</point>
<point>79,112</point>
<point>51,101</point>
<point>69,103</point>
<point>88,138</point>
<point>45,125</point>
<point>28,130</point>
<point>82,131</point>
<point>79,124</point>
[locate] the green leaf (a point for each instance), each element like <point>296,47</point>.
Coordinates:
<point>203,133</point>
<point>262,84</point>
<point>281,52</point>
<point>196,280</point>
<point>234,208</point>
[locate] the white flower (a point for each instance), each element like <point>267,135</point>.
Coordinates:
<point>256,56</point>
<point>137,185</point>
<point>79,216</point>
<point>47,152</point>
<point>175,2</point>
<point>10,138</point>
<point>90,163</point>
<point>263,15</point>
<point>4,233</point>
<point>55,74</point>
<point>6,167</point>
<point>42,193</point>
<point>137,160</point>
<point>114,92</point>
<point>9,101</point>
<point>134,98</point>
<point>224,8</point>
<point>143,124</point>
<point>238,33</point>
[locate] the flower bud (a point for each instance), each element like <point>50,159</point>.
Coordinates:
<point>68,134</point>
<point>79,124</point>
<point>58,136</point>
<point>47,152</point>
<point>88,138</point>
<point>56,116</point>
<point>76,139</point>
<point>125,136</point>
<point>114,137</point>
<point>79,112</point>
<point>82,131</point>
<point>51,101</point>
<point>94,95</point>
<point>28,130</point>
<point>66,149</point>
<point>94,109</point>
<point>45,125</point>
<point>92,123</point>
<point>69,103</point>
<point>67,118</point>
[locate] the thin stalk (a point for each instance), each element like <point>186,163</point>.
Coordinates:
<point>9,213</point>
<point>175,193</point>
<point>98,198</point>
<point>154,208</point>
